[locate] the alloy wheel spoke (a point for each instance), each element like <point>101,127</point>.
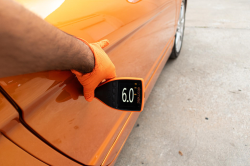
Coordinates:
<point>180,28</point>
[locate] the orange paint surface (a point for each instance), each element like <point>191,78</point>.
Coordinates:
<point>141,38</point>
<point>10,154</point>
<point>7,112</point>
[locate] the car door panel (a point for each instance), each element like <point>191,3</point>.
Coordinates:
<point>23,138</point>
<point>128,126</point>
<point>9,150</point>
<point>52,102</point>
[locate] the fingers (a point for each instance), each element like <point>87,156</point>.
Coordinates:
<point>103,43</point>
<point>89,95</point>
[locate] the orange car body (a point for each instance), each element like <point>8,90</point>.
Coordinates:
<point>44,118</point>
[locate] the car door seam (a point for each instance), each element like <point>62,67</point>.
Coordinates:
<point>23,149</point>
<point>19,110</point>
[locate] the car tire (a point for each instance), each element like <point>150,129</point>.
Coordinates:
<point>179,35</point>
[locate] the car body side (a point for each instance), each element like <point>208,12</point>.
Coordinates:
<point>55,123</point>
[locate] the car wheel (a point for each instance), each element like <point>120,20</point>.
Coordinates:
<point>179,32</point>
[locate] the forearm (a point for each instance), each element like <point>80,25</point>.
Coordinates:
<point>29,44</point>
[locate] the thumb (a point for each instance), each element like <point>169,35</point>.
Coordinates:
<point>103,43</point>
<point>89,95</point>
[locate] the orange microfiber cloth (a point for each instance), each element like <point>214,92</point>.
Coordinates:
<point>104,69</point>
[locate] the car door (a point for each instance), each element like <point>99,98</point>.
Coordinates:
<point>52,103</point>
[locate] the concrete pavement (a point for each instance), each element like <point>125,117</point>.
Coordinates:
<point>199,110</point>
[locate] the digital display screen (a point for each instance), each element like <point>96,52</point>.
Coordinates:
<point>130,95</point>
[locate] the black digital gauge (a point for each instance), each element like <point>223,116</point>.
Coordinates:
<point>125,94</point>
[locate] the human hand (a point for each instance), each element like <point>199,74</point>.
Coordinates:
<point>104,69</point>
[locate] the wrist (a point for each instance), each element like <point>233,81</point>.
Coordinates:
<point>86,58</point>
<point>90,59</point>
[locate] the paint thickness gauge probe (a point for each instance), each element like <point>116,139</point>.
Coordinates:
<point>123,93</point>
